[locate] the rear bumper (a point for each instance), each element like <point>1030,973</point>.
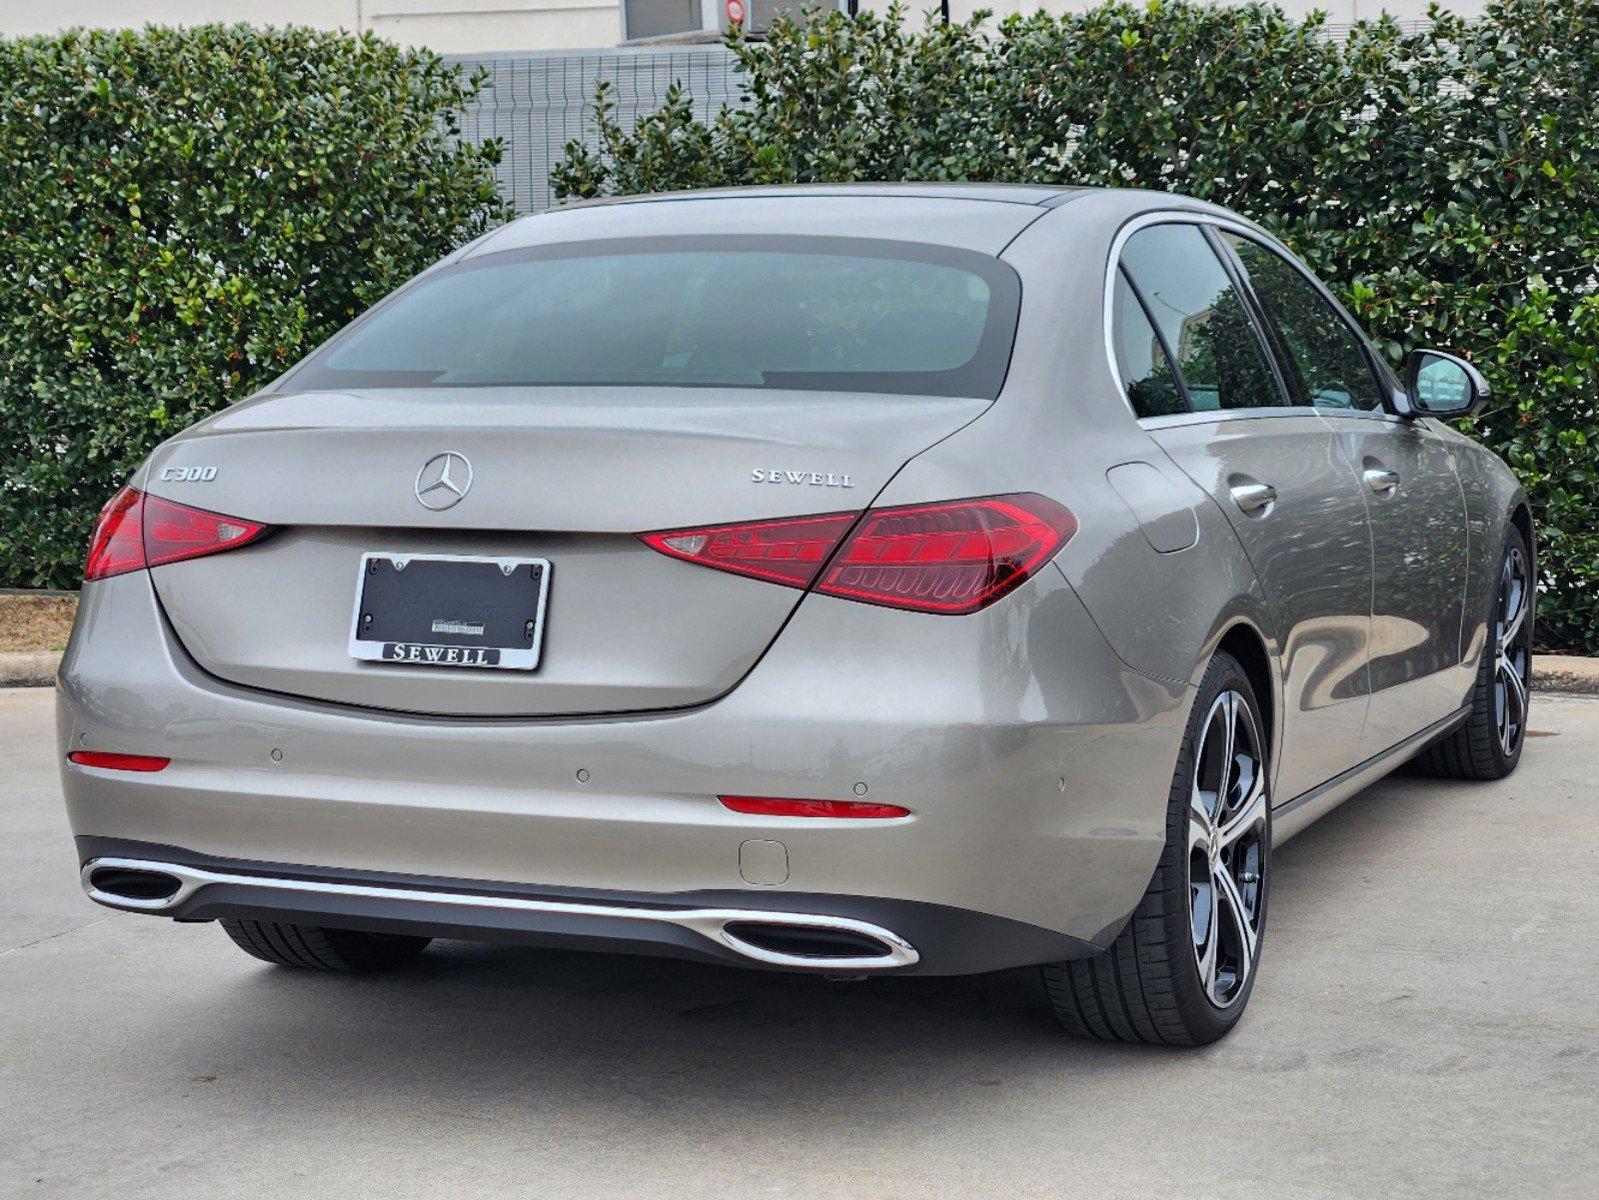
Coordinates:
<point>819,933</point>
<point>1036,767</point>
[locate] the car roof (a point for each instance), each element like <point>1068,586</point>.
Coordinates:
<point>976,216</point>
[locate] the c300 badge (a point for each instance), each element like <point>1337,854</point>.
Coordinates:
<point>188,474</point>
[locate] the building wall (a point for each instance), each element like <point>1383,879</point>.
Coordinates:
<point>448,26</point>
<point>472,26</point>
<point>480,26</point>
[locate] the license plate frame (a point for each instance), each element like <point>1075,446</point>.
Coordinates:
<point>454,647</point>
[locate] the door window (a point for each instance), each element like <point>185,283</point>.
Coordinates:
<point>1325,361</point>
<point>1146,373</point>
<point>1202,319</point>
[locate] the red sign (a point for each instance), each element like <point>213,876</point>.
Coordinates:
<point>735,11</point>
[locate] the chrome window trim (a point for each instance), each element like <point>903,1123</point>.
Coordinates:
<point>1372,414</point>
<point>1213,415</point>
<point>1180,216</point>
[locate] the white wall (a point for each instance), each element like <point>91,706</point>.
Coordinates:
<point>472,26</point>
<point>18,17</point>
<point>467,26</point>
<point>448,26</point>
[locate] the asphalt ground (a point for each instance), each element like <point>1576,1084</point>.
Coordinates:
<point>1426,1024</point>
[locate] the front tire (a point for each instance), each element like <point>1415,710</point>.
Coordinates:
<point>317,948</point>
<point>1488,745</point>
<point>1183,969</point>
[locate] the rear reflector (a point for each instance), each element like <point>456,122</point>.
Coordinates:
<point>952,558</point>
<point>117,762</point>
<point>772,806</point>
<point>137,530</point>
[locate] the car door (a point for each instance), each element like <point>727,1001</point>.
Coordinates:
<point>1212,398</point>
<point>1412,492</point>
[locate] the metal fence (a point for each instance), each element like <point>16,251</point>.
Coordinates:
<point>537,103</point>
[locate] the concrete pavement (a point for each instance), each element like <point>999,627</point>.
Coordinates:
<point>1426,1024</point>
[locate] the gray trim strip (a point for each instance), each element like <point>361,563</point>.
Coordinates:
<point>1293,816</point>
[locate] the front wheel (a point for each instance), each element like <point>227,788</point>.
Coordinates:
<point>1182,970</point>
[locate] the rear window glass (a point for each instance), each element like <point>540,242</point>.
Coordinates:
<point>803,313</point>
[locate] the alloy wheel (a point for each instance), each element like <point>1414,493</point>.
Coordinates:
<point>1512,652</point>
<point>1227,831</point>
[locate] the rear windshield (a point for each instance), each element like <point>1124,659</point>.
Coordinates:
<point>818,314</point>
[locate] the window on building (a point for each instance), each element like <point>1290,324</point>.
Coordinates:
<point>657,18</point>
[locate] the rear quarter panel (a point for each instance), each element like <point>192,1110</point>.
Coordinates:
<point>1060,425</point>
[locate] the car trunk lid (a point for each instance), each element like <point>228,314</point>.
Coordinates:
<point>569,476</point>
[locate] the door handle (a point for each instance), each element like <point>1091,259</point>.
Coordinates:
<point>1253,497</point>
<point>1381,480</point>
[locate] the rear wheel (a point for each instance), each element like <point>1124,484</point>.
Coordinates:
<point>1488,745</point>
<point>1182,970</point>
<point>322,949</point>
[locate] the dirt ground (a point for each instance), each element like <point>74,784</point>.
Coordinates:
<point>35,622</point>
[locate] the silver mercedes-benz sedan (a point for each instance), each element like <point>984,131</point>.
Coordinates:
<point>851,579</point>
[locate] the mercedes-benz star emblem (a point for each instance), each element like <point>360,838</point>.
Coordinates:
<point>443,480</point>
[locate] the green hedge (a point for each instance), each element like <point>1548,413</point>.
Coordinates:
<point>1445,182</point>
<point>183,213</point>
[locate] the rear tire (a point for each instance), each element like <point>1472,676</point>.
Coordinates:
<point>1183,969</point>
<point>1488,745</point>
<point>320,949</point>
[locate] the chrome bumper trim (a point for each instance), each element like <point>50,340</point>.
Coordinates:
<point>709,923</point>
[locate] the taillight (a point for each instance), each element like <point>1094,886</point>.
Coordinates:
<point>789,552</point>
<point>106,761</point>
<point>117,544</point>
<point>777,806</point>
<point>137,530</point>
<point>953,557</point>
<point>948,558</point>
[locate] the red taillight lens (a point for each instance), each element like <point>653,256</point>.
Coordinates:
<point>174,532</point>
<point>948,558</point>
<point>117,545</point>
<point>776,806</point>
<point>137,530</point>
<point>118,762</point>
<point>952,558</point>
<point>789,552</point>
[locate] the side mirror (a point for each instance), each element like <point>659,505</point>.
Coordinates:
<point>1443,385</point>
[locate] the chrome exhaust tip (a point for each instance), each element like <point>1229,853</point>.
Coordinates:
<point>832,944</point>
<point>127,884</point>
<point>797,941</point>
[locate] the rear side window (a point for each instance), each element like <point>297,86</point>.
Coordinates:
<point>1146,373</point>
<point>1203,322</point>
<point>814,314</point>
<point>1327,366</point>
